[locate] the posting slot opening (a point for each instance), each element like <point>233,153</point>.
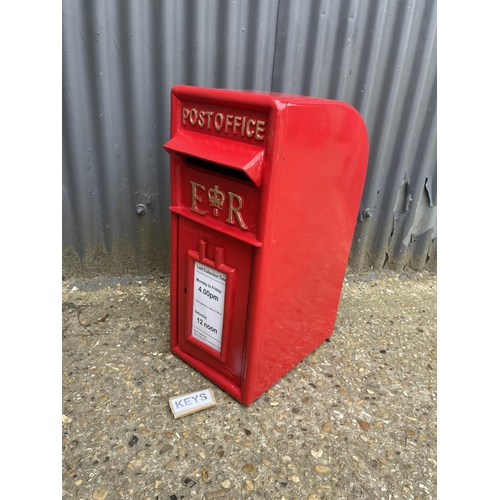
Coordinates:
<point>217,169</point>
<point>233,158</point>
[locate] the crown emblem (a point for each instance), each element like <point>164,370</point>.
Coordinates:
<point>216,199</point>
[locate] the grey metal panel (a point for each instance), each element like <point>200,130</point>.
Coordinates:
<point>120,60</point>
<point>379,56</point>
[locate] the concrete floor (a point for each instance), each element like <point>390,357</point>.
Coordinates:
<point>356,419</point>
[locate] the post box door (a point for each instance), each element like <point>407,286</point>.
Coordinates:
<point>214,273</point>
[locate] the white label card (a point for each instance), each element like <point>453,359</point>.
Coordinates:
<point>191,403</point>
<point>208,305</point>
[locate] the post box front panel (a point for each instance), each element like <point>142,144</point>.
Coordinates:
<point>224,200</point>
<point>214,272</point>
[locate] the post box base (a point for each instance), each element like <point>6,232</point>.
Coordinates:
<point>226,385</point>
<point>211,374</point>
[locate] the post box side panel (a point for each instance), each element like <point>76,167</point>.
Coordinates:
<point>322,172</point>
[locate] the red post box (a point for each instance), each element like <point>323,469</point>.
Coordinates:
<point>265,191</point>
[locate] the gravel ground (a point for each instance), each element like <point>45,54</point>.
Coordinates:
<point>356,419</point>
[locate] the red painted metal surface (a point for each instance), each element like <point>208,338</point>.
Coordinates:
<point>265,193</point>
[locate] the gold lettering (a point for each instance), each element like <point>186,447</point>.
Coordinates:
<point>247,130</point>
<point>235,210</point>
<point>229,121</point>
<point>237,123</point>
<point>195,198</point>
<point>259,130</point>
<point>192,118</point>
<point>201,119</point>
<point>209,114</point>
<point>220,117</point>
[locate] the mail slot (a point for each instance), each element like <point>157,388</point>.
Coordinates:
<point>265,191</point>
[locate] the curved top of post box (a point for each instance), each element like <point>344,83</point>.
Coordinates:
<point>259,99</point>
<point>256,99</point>
<point>230,142</point>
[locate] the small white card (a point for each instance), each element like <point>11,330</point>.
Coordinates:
<point>208,305</point>
<point>191,403</point>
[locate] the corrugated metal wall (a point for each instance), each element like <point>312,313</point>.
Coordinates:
<point>120,60</point>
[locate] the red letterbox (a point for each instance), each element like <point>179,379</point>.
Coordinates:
<point>265,192</point>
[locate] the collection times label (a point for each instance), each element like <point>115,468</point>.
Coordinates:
<point>208,305</point>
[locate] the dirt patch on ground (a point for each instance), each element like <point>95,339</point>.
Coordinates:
<point>354,420</point>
